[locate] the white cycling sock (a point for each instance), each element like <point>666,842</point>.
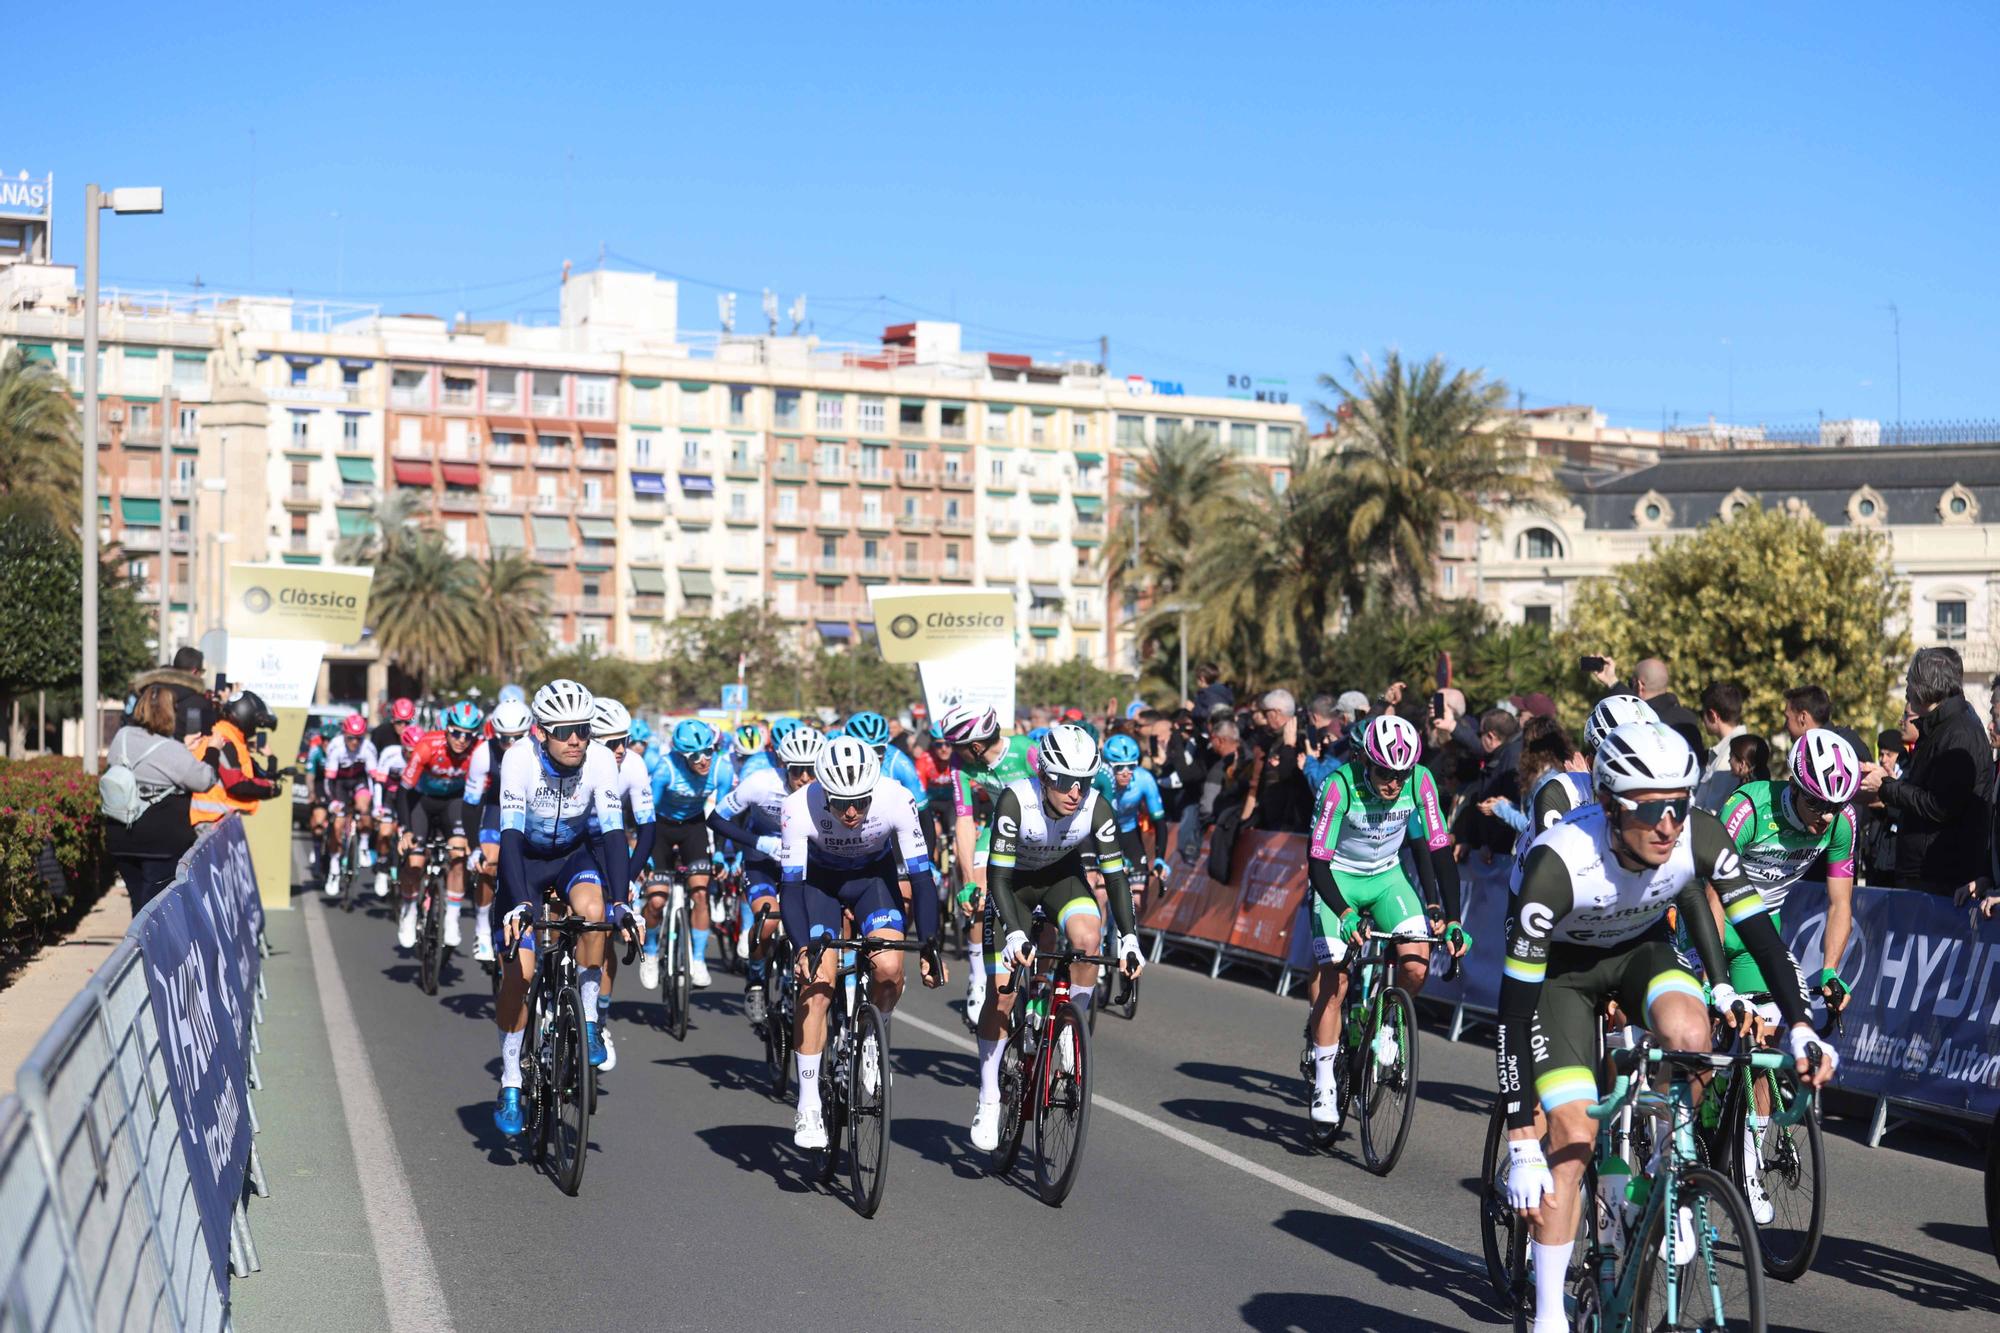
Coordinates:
<point>588,980</point>
<point>808,1081</point>
<point>989,1069</point>
<point>510,1058</point>
<point>1081,996</point>
<point>484,915</point>
<point>1324,1066</point>
<point>1551,1271</point>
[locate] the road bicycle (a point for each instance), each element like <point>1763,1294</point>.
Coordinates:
<point>1045,1075</point>
<point>1379,1052</point>
<point>434,900</point>
<point>780,1007</point>
<point>725,910</point>
<point>855,1096</point>
<point>558,1083</point>
<point>348,854</point>
<point>1791,1158</point>
<point>676,954</point>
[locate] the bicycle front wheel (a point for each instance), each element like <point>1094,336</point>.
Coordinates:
<point>571,1094</point>
<point>1701,1268</point>
<point>778,1028</point>
<point>680,975</point>
<point>1503,1233</point>
<point>868,1110</point>
<point>1015,1071</point>
<point>1790,1168</point>
<point>431,946</point>
<point>1388,1088</point>
<point>1062,1112</point>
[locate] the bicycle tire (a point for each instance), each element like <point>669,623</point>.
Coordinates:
<point>537,1075</point>
<point>431,965</point>
<point>1503,1233</point>
<point>571,1100</point>
<point>1062,1110</point>
<point>778,1027</point>
<point>1015,1073</point>
<point>349,872</point>
<point>832,1094</point>
<point>680,976</point>
<point>1715,1205</point>
<point>1129,1010</point>
<point>868,1112</point>
<point>1797,1156</point>
<point>1392,1091</point>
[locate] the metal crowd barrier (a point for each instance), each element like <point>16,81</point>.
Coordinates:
<point>100,1223</point>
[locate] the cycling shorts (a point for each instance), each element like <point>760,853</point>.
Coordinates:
<point>812,907</point>
<point>489,826</point>
<point>559,873</point>
<point>686,843</point>
<point>1744,974</point>
<point>760,881</point>
<point>340,792</point>
<point>1568,1017</point>
<point>434,814</point>
<point>1387,898</point>
<point>1060,893</point>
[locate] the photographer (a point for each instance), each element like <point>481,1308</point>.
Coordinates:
<point>232,748</point>
<point>164,777</point>
<point>1280,802</point>
<point>192,707</point>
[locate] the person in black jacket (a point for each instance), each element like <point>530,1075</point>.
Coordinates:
<point>149,848</point>
<point>1500,738</point>
<point>193,708</point>
<point>1939,805</point>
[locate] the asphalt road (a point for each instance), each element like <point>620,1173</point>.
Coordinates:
<point>1200,1204</point>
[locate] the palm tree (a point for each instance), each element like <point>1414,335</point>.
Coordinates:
<point>390,524</point>
<point>1181,477</point>
<point>41,446</point>
<point>427,608</point>
<point>514,606</point>
<point>1421,444</point>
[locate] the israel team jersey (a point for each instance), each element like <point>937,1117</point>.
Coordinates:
<point>811,829</point>
<point>556,809</point>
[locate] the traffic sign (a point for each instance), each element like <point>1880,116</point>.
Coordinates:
<point>736,698</point>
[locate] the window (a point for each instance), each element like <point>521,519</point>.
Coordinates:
<point>951,557</point>
<point>298,374</point>
<point>788,502</point>
<point>454,536</point>
<point>351,376</point>
<point>350,433</point>
<point>456,439</point>
<point>503,390</point>
<point>1038,428</point>
<point>1951,622</point>
<point>1165,428</point>
<point>785,409</point>
<point>593,396</point>
<point>500,489</point>
<point>910,418</point>
<point>951,511</point>
<point>1653,512</point>
<point>1540,544</point>
<point>996,425</point>
<point>996,471</point>
<point>829,504</point>
<point>642,449</point>
<point>1131,432</point>
<point>739,406</point>
<point>301,428</point>
<point>951,466</point>
<point>1280,479</point>
<point>1541,616</point>
<point>459,390</point>
<point>190,373</point>
<point>409,435</point>
<point>788,551</point>
<point>912,463</point>
<point>299,528</point>
<point>910,553</point>
<point>739,504</point>
<point>829,457</point>
<point>642,640</point>
<point>547,388</point>
<point>593,492</point>
<point>1865,508</point>
<point>692,455</point>
<point>909,506</point>
<point>1079,431</point>
<point>301,475</point>
<point>549,450</point>
<point>873,416</point>
<point>409,386</point>
<point>1451,578</point>
<point>743,456</point>
<point>1450,537</point>
<point>590,633</point>
<point>645,403</point>
<point>829,548</point>
<point>1242,438</point>
<point>1278,441</point>
<point>829,411</point>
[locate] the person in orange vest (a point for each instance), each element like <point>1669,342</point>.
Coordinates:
<point>228,750</point>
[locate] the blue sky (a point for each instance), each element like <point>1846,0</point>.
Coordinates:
<point>1657,209</point>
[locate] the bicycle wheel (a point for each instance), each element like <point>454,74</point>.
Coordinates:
<point>1016,1071</point>
<point>832,1092</point>
<point>1793,1173</point>
<point>350,871</point>
<point>778,1030</point>
<point>1062,1113</point>
<point>431,946</point>
<point>1503,1233</point>
<point>868,1110</point>
<point>680,975</point>
<point>1709,1273</point>
<point>1388,1091</point>
<point>1130,1008</point>
<point>538,1075</point>
<point>571,1129</point>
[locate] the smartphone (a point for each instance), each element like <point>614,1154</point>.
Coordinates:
<point>1437,706</point>
<point>221,682</point>
<point>1591,665</point>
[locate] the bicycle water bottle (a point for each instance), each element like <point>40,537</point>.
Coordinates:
<point>1614,1183</point>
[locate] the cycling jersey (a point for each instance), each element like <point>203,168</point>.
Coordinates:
<point>387,776</point>
<point>680,795</point>
<point>1776,851</point>
<point>554,809</point>
<point>347,761</point>
<point>1556,793</point>
<point>635,799</point>
<point>723,770</point>
<point>1010,767</point>
<point>1362,834</point>
<point>897,767</point>
<point>819,851</point>
<point>1142,792</point>
<point>385,734</point>
<point>754,809</point>
<point>431,769</point>
<point>1034,850</point>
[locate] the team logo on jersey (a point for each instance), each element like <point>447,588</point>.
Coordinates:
<point>1727,864</point>
<point>1108,831</point>
<point>1536,919</point>
<point>1008,828</point>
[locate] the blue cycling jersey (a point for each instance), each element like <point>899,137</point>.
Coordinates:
<point>725,771</point>
<point>680,795</point>
<point>902,770</point>
<point>1143,790</point>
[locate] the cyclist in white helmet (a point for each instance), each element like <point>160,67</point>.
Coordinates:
<point>983,760</point>
<point>751,815</point>
<point>510,721</point>
<point>611,727</point>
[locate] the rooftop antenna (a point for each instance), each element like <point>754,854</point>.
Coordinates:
<point>725,311</point>
<point>798,313</point>
<point>771,309</point>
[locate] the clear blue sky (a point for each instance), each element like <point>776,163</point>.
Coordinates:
<point>1651,208</point>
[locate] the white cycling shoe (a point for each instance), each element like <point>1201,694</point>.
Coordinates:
<point>1762,1210</point>
<point>610,1048</point>
<point>1327,1108</point>
<point>871,1068</point>
<point>381,884</point>
<point>649,971</point>
<point>333,882</point>
<point>406,926</point>
<point>743,944</point>
<point>698,972</point>
<point>482,948</point>
<point>809,1129</point>
<point>451,935</point>
<point>986,1126</point>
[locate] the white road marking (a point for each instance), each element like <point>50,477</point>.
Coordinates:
<point>410,1286</point>
<point>1333,1203</point>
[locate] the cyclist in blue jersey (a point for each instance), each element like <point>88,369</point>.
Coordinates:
<point>746,743</point>
<point>1130,789</point>
<point>872,730</point>
<point>681,793</point>
<point>751,818</point>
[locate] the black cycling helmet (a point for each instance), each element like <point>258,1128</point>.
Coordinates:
<point>247,713</point>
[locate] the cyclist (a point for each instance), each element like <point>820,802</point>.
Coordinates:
<point>400,717</point>
<point>1370,808</point>
<point>934,767</point>
<point>842,835</point>
<point>315,762</point>
<point>386,781</point>
<point>746,742</point>
<point>432,799</point>
<point>1560,791</point>
<point>983,760</point>
<point>562,833</point>
<point>611,727</point>
<point>345,777</point>
<point>1130,790</point>
<point>1588,926</point>
<point>681,792</point>
<point>1043,828</point>
<point>1780,830</point>
<point>510,722</point>
<point>751,816</point>
<point>872,730</point>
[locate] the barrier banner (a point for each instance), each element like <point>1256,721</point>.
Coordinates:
<point>194,978</point>
<point>222,884</point>
<point>1193,906</point>
<point>1272,888</point>
<point>1924,1021</point>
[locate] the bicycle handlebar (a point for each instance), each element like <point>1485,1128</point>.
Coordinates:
<point>576,925</point>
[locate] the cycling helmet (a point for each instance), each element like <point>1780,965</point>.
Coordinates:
<point>513,694</point>
<point>801,747</point>
<point>328,730</point>
<point>1121,752</point>
<point>1614,711</point>
<point>782,728</point>
<point>869,729</point>
<point>354,725</point>
<point>464,716</point>
<point>248,712</point>
<point>1825,767</point>
<point>693,737</point>
<point>1391,744</point>
<point>1035,736</point>
<point>511,718</point>
<point>964,724</point>
<point>641,733</point>
<point>609,721</point>
<point>410,735</point>
<point>403,710</point>
<point>1067,751</point>
<point>749,739</point>
<point>1644,756</point>
<point>847,769</point>
<point>563,701</point>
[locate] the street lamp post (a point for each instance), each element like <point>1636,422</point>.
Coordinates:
<point>130,199</point>
<point>1181,609</point>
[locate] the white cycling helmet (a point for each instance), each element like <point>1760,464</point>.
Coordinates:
<point>562,701</point>
<point>511,718</point>
<point>801,747</point>
<point>609,721</point>
<point>1067,751</point>
<point>964,724</point>
<point>847,769</point>
<point>1644,756</point>
<point>1392,743</point>
<point>1825,767</point>
<point>1612,712</point>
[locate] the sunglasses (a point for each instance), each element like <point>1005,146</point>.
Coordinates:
<point>1123,768</point>
<point>1653,813</point>
<point>1379,774</point>
<point>1812,806</point>
<point>1064,782</point>
<point>456,734</point>
<point>846,804</point>
<point>569,731</point>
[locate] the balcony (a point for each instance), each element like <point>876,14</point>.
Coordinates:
<point>355,497</point>
<point>553,504</point>
<point>1000,570</point>
<point>916,569</point>
<point>302,497</point>
<point>793,520</point>
<point>552,555</point>
<point>417,448</point>
<point>180,541</point>
<point>700,461</point>
<point>1088,530</point>
<point>842,610</point>
<point>1089,575</point>
<point>505,502</point>
<point>596,506</point>
<point>829,564</point>
<point>457,395</point>
<point>952,430</point>
<point>1044,615</point>
<point>832,522</point>
<point>546,404</point>
<point>838,473</point>
<point>1086,617</point>
<point>1045,529</point>
<point>875,567</point>
<point>743,468</point>
<point>502,404</point>
<point>507,455</point>
<point>956,481</point>
<point>650,605</point>
<point>907,428</point>
<point>459,451</point>
<point>149,591</point>
<point>954,571</point>
<point>1002,525</point>
<point>581,605</point>
<point>739,420</point>
<point>955,525</point>
<point>411,397</point>
<point>917,478</point>
<point>915,522</point>
<point>139,539</point>
<point>649,507</point>
<point>461,500</point>
<point>873,475</point>
<point>699,513</point>
<point>300,544</point>
<point>791,469</point>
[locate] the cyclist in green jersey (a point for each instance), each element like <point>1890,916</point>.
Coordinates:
<point>983,760</point>
<point>1368,809</point>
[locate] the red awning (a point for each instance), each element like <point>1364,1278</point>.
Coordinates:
<point>462,474</point>
<point>413,474</point>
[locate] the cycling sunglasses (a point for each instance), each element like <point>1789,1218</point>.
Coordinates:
<point>1123,768</point>
<point>1379,774</point>
<point>843,804</point>
<point>1653,813</point>
<point>1812,806</point>
<point>568,731</point>
<point>1063,782</point>
<point>460,734</point>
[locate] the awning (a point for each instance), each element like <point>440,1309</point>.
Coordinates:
<point>139,511</point>
<point>357,471</point>
<point>1089,459</point>
<point>355,523</point>
<point>693,386</point>
<point>834,629</point>
<point>152,353</point>
<point>952,407</point>
<point>693,483</point>
<point>356,363</point>
<point>296,358</point>
<point>645,382</point>
<point>1043,411</point>
<point>1088,504</point>
<point>551,533</point>
<point>413,474</point>
<point>598,529</point>
<point>462,474</point>
<point>1045,592</point>
<point>649,582</point>
<point>38,352</point>
<point>1043,631</point>
<point>199,357</point>
<point>649,483</point>
<point>697,583</point>
<point>506,532</point>
<point>829,580</point>
<point>295,559</point>
<point>999,407</point>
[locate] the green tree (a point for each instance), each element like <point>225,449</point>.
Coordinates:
<point>41,612</point>
<point>425,608</point>
<point>637,685</point>
<point>392,522</point>
<point>41,444</point>
<point>514,601</point>
<point>1077,682</point>
<point>1765,599</point>
<point>1421,444</point>
<point>848,680</point>
<point>702,656</point>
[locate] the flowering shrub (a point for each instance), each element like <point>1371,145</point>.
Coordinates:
<point>47,802</point>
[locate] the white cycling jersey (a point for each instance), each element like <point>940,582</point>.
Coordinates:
<point>382,777</point>
<point>556,808</point>
<point>1042,839</point>
<point>1611,904</point>
<point>757,801</point>
<point>811,830</point>
<point>635,787</point>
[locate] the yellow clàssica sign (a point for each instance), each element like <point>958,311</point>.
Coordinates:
<point>298,602</point>
<point>919,626</point>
